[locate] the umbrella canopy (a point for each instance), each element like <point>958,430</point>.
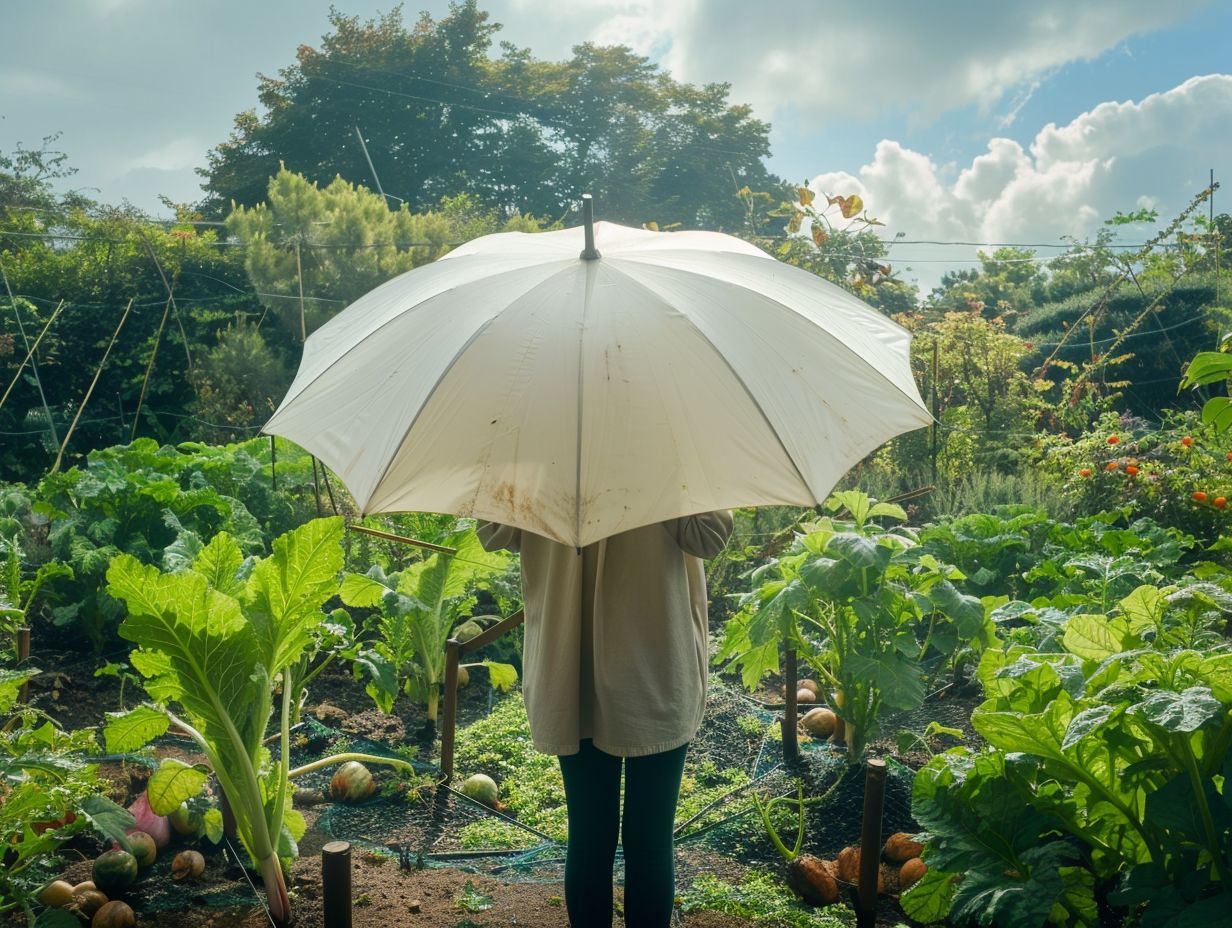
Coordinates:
<point>682,372</point>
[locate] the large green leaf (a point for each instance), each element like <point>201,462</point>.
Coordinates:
<point>360,591</point>
<point>1095,637</point>
<point>287,590</point>
<point>219,562</point>
<point>172,783</point>
<point>1179,712</point>
<point>1207,367</point>
<point>107,818</point>
<point>196,647</point>
<point>928,901</point>
<point>128,731</point>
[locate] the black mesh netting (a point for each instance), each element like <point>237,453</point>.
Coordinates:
<point>738,752</point>
<point>737,734</point>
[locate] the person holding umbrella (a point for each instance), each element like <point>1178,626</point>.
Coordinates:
<point>595,390</point>
<point>615,669</point>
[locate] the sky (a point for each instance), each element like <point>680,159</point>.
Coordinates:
<point>955,120</point>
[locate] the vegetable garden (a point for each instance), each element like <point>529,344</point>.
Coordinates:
<point>1052,698</point>
<point>1012,629</point>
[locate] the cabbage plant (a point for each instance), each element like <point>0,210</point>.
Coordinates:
<point>214,641</point>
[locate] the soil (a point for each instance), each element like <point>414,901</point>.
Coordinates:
<point>385,893</point>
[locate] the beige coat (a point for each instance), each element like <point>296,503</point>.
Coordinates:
<point>616,643</point>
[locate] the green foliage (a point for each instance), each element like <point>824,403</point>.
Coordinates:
<point>239,382</point>
<point>160,505</point>
<point>336,243</point>
<point>213,640</point>
<point>1151,357</point>
<point>1107,760</point>
<point>49,792</point>
<point>419,609</point>
<point>17,594</point>
<point>763,899</point>
<point>516,133</point>
<point>862,608</point>
<point>530,782</point>
<point>143,500</point>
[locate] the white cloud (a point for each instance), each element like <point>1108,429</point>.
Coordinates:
<point>1155,152</point>
<point>176,155</point>
<point>847,59</point>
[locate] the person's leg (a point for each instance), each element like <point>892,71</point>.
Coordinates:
<point>592,795</point>
<point>652,786</point>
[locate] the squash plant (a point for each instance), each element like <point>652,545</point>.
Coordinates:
<point>863,608</point>
<point>421,608</point>
<point>213,642</point>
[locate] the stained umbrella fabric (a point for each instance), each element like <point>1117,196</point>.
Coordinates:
<point>678,373</point>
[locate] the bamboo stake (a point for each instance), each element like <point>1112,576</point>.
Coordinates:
<point>30,354</point>
<point>299,274</point>
<point>149,369</point>
<point>171,298</point>
<point>93,383</point>
<point>51,425</point>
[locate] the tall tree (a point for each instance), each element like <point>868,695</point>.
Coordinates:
<point>440,116</point>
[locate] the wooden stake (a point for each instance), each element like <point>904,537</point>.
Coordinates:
<point>870,843</point>
<point>273,465</point>
<point>791,746</point>
<point>449,722</point>
<point>93,383</point>
<point>336,884</point>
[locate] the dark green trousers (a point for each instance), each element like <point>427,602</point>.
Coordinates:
<point>592,794</point>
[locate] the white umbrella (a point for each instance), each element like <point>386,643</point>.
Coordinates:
<point>578,396</point>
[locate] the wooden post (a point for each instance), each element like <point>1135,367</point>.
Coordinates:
<point>23,655</point>
<point>449,723</point>
<point>454,650</point>
<point>791,746</point>
<point>273,465</point>
<point>870,843</point>
<point>336,884</point>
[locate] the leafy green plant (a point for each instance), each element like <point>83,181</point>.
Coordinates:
<point>213,641</point>
<point>1107,764</point>
<point>863,608</point>
<point>133,500</point>
<point>17,595</point>
<point>49,792</point>
<point>420,609</point>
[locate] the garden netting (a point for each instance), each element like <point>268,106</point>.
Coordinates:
<point>426,828</point>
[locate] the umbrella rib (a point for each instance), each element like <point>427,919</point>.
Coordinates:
<point>740,380</point>
<point>591,269</point>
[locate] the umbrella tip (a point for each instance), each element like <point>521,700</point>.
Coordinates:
<point>589,253</point>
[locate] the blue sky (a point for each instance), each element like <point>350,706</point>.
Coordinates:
<point>958,119</point>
